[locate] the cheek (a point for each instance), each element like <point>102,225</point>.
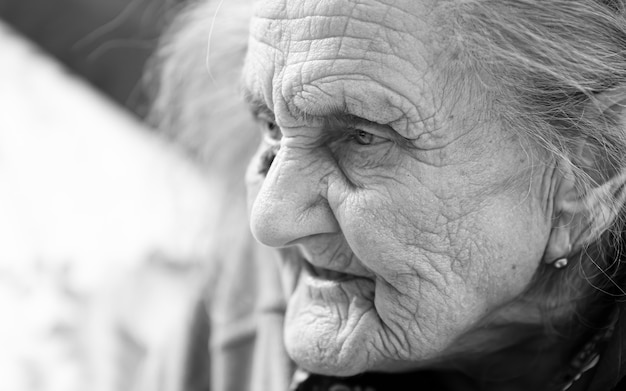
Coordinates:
<point>516,234</point>
<point>389,229</point>
<point>404,232</point>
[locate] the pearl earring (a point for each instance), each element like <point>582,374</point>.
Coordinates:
<point>560,263</point>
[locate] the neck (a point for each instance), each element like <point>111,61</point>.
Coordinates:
<point>514,350</point>
<point>527,360</point>
<point>518,356</point>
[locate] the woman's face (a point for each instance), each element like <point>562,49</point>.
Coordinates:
<point>400,221</point>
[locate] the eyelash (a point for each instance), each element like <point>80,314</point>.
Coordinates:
<point>361,137</point>
<point>271,135</point>
<point>267,158</point>
<point>272,131</point>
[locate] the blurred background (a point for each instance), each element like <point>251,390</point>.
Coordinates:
<point>106,42</point>
<point>103,224</point>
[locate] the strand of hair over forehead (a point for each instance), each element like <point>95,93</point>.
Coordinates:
<point>548,60</point>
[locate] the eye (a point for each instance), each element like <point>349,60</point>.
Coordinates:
<point>362,137</point>
<point>271,142</point>
<point>267,158</point>
<point>271,132</point>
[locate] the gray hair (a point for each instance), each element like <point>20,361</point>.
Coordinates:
<point>195,76</point>
<point>542,64</point>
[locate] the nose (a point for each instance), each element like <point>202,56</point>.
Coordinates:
<point>292,201</point>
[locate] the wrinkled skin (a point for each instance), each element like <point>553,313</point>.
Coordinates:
<point>432,221</point>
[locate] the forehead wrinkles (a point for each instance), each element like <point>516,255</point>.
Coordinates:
<point>376,11</point>
<point>333,55</point>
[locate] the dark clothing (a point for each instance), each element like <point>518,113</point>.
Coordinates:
<point>610,373</point>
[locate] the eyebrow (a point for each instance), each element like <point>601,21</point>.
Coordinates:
<point>336,118</point>
<point>257,105</point>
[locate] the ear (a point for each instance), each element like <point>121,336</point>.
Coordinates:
<point>580,216</point>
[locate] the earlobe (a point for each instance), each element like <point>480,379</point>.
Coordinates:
<point>580,218</point>
<point>559,244</point>
<point>565,220</point>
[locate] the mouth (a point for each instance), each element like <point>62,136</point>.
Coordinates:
<point>325,274</point>
<point>335,284</point>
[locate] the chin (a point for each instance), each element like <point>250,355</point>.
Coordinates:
<point>300,350</point>
<point>313,344</point>
<point>314,359</point>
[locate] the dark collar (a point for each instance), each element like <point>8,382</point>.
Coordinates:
<point>304,381</point>
<point>611,368</point>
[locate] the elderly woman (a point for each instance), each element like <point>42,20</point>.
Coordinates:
<point>442,184</point>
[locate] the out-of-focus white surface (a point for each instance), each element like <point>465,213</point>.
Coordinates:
<point>88,198</point>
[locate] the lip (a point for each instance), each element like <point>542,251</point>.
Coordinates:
<point>335,285</point>
<point>320,273</point>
